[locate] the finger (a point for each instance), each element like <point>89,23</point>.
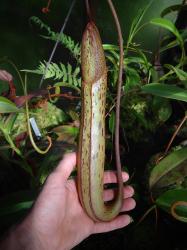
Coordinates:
<point>128,204</point>
<point>111,177</point>
<point>119,222</point>
<point>66,166</point>
<point>109,194</point>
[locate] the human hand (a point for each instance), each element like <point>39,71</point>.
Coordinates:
<point>57,219</point>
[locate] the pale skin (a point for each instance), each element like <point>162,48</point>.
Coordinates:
<point>57,220</point>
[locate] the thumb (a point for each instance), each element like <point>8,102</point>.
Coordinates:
<point>66,165</point>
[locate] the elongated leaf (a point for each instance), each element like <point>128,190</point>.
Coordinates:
<point>9,123</point>
<point>5,76</point>
<point>110,47</point>
<point>134,59</point>
<point>166,90</point>
<point>137,21</point>
<point>170,9</point>
<point>17,202</point>
<point>176,159</point>
<point>16,207</point>
<point>132,78</point>
<point>167,24</point>
<point>6,106</point>
<point>174,43</point>
<point>166,201</point>
<point>181,74</point>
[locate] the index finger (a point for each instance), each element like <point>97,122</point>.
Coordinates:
<point>66,165</point>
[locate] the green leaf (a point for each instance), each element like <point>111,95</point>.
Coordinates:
<point>132,78</point>
<point>167,24</point>
<point>174,43</point>
<point>135,25</point>
<point>166,201</point>
<point>166,90</point>
<point>181,74</point>
<point>9,123</point>
<point>6,106</point>
<point>17,202</point>
<point>59,71</point>
<point>134,59</point>
<point>176,159</point>
<point>110,47</point>
<point>65,40</point>
<point>170,9</point>
<point>16,207</point>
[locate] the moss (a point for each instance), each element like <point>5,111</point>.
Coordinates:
<point>46,117</point>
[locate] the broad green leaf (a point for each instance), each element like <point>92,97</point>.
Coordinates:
<point>181,74</point>
<point>6,106</point>
<point>175,160</point>
<point>167,24</point>
<point>166,201</point>
<point>166,90</point>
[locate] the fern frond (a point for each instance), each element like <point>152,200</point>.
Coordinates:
<point>62,72</point>
<point>65,40</point>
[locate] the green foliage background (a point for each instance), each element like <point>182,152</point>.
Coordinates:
<point>20,42</point>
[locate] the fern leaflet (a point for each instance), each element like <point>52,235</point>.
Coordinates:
<point>65,40</point>
<point>62,72</point>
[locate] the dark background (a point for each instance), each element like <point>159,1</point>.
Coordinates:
<point>21,43</point>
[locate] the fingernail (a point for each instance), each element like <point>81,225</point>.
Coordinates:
<point>131,220</point>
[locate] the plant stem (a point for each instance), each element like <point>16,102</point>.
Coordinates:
<point>29,126</point>
<point>175,133</point>
<point>88,10</point>
<point>120,38</point>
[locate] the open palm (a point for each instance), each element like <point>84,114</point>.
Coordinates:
<point>57,219</point>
